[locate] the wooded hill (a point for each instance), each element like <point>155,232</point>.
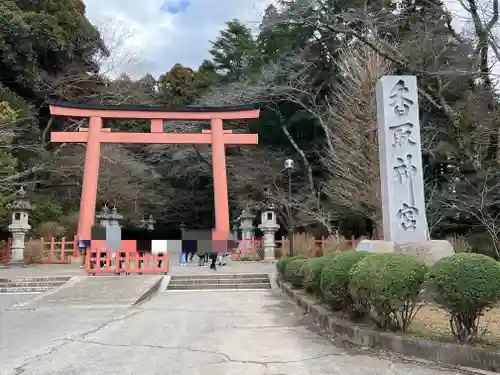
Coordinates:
<point>313,67</point>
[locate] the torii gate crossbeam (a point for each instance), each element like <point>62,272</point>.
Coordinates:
<point>95,134</point>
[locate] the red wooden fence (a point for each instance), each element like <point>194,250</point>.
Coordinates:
<point>5,251</point>
<point>59,252</point>
<point>246,250</point>
<point>102,262</point>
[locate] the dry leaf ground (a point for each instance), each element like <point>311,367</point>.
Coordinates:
<point>432,322</point>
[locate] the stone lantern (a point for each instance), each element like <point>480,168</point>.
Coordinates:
<point>115,218</point>
<point>20,208</point>
<point>110,220</point>
<point>149,223</point>
<point>235,228</point>
<point>269,227</point>
<point>103,216</point>
<point>247,230</point>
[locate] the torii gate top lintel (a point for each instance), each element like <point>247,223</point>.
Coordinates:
<point>239,112</point>
<point>95,134</point>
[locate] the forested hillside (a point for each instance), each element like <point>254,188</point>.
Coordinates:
<point>313,67</point>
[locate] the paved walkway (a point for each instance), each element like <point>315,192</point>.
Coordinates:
<point>174,269</point>
<point>183,333</point>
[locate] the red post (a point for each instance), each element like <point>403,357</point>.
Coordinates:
<point>52,250</point>
<point>90,179</point>
<point>127,262</point>
<point>76,249</point>
<point>220,181</point>
<point>88,260</point>
<point>63,247</point>
<point>253,247</point>
<point>108,261</point>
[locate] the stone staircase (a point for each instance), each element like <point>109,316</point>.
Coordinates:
<point>30,285</point>
<point>220,281</point>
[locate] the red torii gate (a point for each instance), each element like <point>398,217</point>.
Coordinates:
<point>95,134</point>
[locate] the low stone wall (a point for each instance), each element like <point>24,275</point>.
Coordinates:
<point>448,353</point>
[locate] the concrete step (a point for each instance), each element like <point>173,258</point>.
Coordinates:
<point>35,279</point>
<point>31,284</point>
<point>24,284</point>
<point>214,286</point>
<point>219,281</point>
<point>222,276</point>
<point>32,289</point>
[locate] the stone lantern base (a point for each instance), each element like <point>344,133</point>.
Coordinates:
<point>15,264</point>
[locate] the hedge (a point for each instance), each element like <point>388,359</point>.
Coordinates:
<point>294,272</point>
<point>335,279</point>
<point>465,285</point>
<point>312,272</point>
<point>281,266</point>
<point>387,286</point>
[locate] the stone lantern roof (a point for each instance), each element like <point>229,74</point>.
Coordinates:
<point>104,213</point>
<point>115,215</point>
<point>20,203</point>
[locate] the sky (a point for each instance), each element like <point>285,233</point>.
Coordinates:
<point>150,36</point>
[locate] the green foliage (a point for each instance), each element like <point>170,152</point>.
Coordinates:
<point>312,272</point>
<point>335,279</point>
<point>234,51</point>
<point>465,285</point>
<point>48,209</point>
<point>180,86</point>
<point>8,116</point>
<point>294,272</point>
<point>388,285</point>
<point>39,38</point>
<point>281,265</point>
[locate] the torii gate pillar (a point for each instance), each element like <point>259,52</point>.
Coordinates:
<point>220,179</point>
<point>90,182</point>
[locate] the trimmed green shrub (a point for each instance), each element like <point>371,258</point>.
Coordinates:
<point>334,282</point>
<point>387,286</point>
<point>312,272</point>
<point>281,266</point>
<point>294,273</point>
<point>465,285</point>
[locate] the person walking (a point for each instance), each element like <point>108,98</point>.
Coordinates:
<point>192,248</point>
<point>202,253</point>
<point>183,253</point>
<point>213,258</point>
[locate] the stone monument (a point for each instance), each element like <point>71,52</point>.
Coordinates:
<point>20,208</point>
<point>269,227</point>
<point>401,173</point>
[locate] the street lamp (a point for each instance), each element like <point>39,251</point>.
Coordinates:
<point>289,166</point>
<point>182,227</point>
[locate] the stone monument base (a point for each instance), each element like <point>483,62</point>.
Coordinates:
<point>428,251</point>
